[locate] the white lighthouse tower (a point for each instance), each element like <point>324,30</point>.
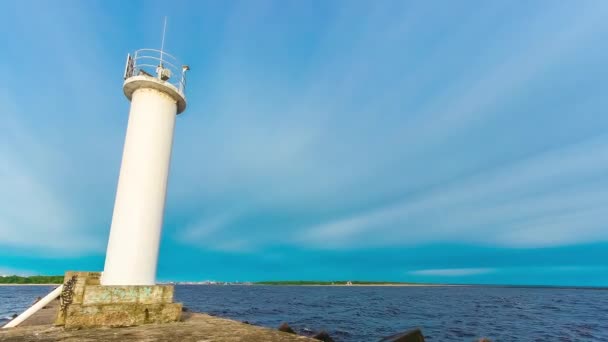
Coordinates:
<point>155,85</point>
<point>125,294</point>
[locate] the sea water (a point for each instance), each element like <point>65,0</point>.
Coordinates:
<point>353,313</point>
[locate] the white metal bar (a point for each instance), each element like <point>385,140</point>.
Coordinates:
<point>127,66</point>
<point>165,53</point>
<point>158,59</point>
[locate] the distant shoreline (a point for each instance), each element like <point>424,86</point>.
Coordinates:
<point>344,283</point>
<point>31,280</point>
<point>376,285</point>
<point>15,284</point>
<point>601,288</point>
<point>58,280</point>
<point>362,285</point>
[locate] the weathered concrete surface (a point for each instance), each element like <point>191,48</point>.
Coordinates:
<point>86,304</point>
<point>157,294</point>
<point>121,315</point>
<point>82,279</point>
<point>74,284</point>
<point>195,327</point>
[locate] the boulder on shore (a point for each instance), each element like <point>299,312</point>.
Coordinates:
<point>286,328</point>
<point>323,336</point>
<point>414,335</point>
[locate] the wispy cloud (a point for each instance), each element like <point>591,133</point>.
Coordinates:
<point>49,156</point>
<point>34,212</point>
<point>551,195</point>
<point>338,127</point>
<point>452,272</point>
<point>216,233</point>
<point>366,167</point>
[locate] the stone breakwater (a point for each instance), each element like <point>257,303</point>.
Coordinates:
<point>194,327</point>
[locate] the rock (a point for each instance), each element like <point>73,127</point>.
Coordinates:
<point>185,309</point>
<point>323,336</point>
<point>14,316</point>
<point>414,335</point>
<point>286,328</point>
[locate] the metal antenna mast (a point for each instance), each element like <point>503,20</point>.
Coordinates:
<point>162,44</point>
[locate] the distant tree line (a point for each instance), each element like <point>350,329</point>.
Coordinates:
<point>15,279</point>
<point>337,282</point>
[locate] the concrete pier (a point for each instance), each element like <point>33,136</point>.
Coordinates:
<point>88,311</point>
<point>192,327</point>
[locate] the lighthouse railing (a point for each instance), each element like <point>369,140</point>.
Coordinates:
<point>159,64</point>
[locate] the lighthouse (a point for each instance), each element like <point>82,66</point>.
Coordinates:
<point>155,84</point>
<point>125,293</point>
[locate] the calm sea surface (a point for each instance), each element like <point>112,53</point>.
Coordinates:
<point>368,313</point>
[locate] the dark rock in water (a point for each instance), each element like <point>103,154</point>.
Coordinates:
<point>184,309</point>
<point>414,335</point>
<point>14,316</point>
<point>286,328</point>
<point>323,336</point>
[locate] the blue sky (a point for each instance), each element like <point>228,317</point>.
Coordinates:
<point>461,142</point>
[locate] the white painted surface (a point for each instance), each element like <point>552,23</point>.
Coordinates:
<point>132,252</point>
<point>34,308</point>
<point>141,81</point>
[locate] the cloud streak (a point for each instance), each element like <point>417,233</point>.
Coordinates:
<point>391,170</point>
<point>327,127</point>
<point>34,212</point>
<point>511,205</point>
<point>452,272</point>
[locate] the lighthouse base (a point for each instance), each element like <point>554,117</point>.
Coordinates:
<point>87,304</point>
